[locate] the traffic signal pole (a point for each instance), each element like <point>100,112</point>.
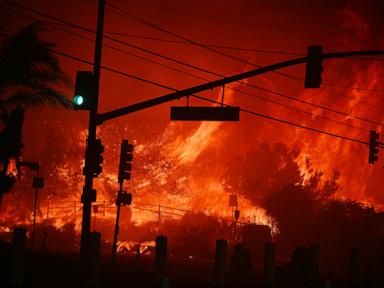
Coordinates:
<point>117,227</point>
<point>88,187</point>
<point>123,198</point>
<point>35,211</point>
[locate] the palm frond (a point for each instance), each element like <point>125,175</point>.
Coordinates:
<point>26,98</point>
<point>26,60</point>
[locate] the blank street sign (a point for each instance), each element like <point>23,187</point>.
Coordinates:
<point>202,113</point>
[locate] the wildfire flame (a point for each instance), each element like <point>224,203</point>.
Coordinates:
<point>175,174</point>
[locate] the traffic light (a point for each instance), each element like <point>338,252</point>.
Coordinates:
<point>237,214</point>
<point>94,158</point>
<point>124,198</point>
<point>373,147</point>
<point>88,196</point>
<point>314,67</point>
<point>125,165</point>
<point>84,91</point>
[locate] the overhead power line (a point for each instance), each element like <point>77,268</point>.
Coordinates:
<point>246,62</point>
<point>288,122</point>
<point>155,211</point>
<point>209,100</point>
<point>140,20</point>
<point>201,78</point>
<point>203,98</point>
<point>196,67</point>
<point>155,26</point>
<point>220,19</point>
<point>262,51</point>
<point>354,88</point>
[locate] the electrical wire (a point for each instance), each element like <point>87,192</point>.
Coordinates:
<point>262,51</point>
<point>219,19</point>
<point>203,98</point>
<point>201,78</point>
<point>206,99</point>
<point>202,69</point>
<point>353,88</point>
<point>287,122</point>
<point>162,206</point>
<point>155,26</point>
<point>247,84</point>
<point>140,20</point>
<point>154,211</point>
<point>213,73</point>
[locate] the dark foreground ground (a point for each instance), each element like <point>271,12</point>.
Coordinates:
<point>63,270</point>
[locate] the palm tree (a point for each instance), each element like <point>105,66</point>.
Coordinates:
<point>29,76</point>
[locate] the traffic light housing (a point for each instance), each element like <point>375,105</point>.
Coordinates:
<point>88,196</point>
<point>373,147</point>
<point>124,198</point>
<point>85,91</point>
<point>94,158</point>
<point>125,165</point>
<point>314,67</point>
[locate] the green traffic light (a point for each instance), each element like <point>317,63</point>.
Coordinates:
<point>78,100</point>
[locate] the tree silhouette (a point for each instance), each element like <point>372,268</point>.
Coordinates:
<point>29,76</point>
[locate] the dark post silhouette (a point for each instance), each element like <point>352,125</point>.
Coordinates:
<point>38,182</point>
<point>220,267</point>
<point>269,264</point>
<point>117,227</point>
<point>138,252</point>
<point>354,267</point>
<point>313,265</point>
<point>161,257</point>
<point>18,257</point>
<point>93,265</point>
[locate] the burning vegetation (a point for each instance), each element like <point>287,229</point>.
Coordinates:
<point>304,186</point>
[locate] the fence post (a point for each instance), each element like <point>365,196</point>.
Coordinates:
<point>313,268</point>
<point>161,258</point>
<point>93,260</point>
<point>354,267</point>
<point>269,264</point>
<point>18,256</point>
<point>220,266</point>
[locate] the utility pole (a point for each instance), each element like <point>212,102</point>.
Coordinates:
<point>88,195</point>
<point>36,186</point>
<point>236,216</point>
<point>117,227</point>
<point>37,183</point>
